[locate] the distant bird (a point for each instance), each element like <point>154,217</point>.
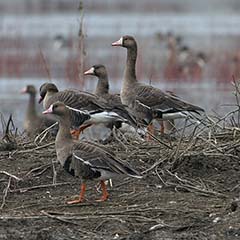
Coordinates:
<point>60,42</point>
<point>147,96</point>
<point>86,160</point>
<point>198,65</point>
<point>34,123</point>
<point>191,64</point>
<point>174,43</point>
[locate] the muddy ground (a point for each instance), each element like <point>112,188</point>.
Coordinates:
<point>190,190</point>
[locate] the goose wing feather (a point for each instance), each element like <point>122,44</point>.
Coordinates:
<point>157,99</point>
<point>98,159</point>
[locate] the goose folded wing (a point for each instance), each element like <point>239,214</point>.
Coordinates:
<point>157,99</point>
<point>93,160</point>
<point>74,99</point>
<point>78,117</point>
<point>98,160</point>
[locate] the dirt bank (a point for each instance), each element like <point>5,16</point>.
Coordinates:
<point>189,191</point>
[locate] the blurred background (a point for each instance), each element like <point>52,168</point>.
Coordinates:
<point>189,47</point>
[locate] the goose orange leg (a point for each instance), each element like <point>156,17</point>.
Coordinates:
<point>104,191</point>
<point>81,195</point>
<point>150,129</point>
<point>161,127</point>
<point>76,132</point>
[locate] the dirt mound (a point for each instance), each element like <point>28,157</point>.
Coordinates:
<point>189,191</point>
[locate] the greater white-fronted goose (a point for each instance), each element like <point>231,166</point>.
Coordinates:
<point>77,99</point>
<point>147,95</point>
<point>82,100</point>
<point>102,90</point>
<point>34,123</point>
<point>84,159</point>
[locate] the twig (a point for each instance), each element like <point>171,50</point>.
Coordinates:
<point>176,153</point>
<point>45,166</point>
<point>10,175</point>
<point>22,190</point>
<point>81,45</point>
<point>116,137</point>
<point>59,218</point>
<point>155,165</point>
<point>5,191</point>
<point>43,132</point>
<point>45,64</point>
<point>54,172</point>
<point>155,138</point>
<point>187,185</point>
<point>33,149</point>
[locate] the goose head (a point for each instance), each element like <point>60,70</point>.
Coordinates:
<point>125,41</point>
<point>30,89</point>
<point>96,70</point>
<point>46,87</point>
<point>58,109</point>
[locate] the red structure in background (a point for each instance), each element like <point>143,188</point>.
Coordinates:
<point>21,58</point>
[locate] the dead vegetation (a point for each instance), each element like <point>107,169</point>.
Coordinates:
<point>190,188</point>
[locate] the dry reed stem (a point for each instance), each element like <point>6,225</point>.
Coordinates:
<point>45,64</point>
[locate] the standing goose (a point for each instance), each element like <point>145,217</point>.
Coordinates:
<point>146,95</point>
<point>80,100</point>
<point>84,159</point>
<point>102,90</point>
<point>34,123</point>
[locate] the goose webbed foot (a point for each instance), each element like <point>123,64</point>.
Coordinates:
<point>104,191</point>
<point>81,195</point>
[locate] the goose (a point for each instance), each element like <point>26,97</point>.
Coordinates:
<point>34,123</point>
<point>86,160</point>
<point>102,90</point>
<point>82,100</point>
<point>147,96</point>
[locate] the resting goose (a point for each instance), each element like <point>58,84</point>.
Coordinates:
<point>84,159</point>
<point>49,94</point>
<point>81,100</point>
<point>34,123</point>
<point>146,95</point>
